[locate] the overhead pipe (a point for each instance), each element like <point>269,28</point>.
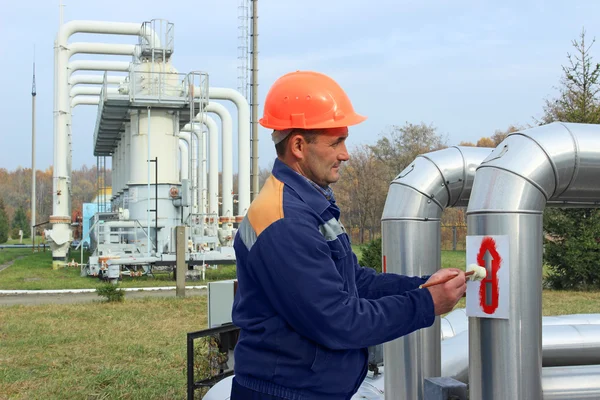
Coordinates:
<point>227,215</point>
<point>60,235</point>
<point>85,100</point>
<point>90,90</point>
<point>79,79</point>
<point>411,220</point>
<point>97,65</point>
<point>216,93</point>
<point>555,164</point>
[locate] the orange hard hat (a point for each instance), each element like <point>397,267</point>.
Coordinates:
<point>307,100</point>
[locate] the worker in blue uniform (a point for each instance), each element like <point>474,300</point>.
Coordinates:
<point>307,311</point>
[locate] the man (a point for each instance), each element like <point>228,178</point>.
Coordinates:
<point>306,310</point>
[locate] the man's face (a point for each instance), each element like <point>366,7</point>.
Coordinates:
<point>324,156</point>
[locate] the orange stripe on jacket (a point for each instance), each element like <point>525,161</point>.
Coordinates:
<point>267,208</point>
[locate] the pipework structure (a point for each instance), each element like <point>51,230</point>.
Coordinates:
<point>139,126</point>
<point>411,218</point>
<point>553,165</point>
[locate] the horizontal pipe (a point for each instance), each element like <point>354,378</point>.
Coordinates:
<point>78,79</point>
<point>97,65</point>
<point>104,27</point>
<point>101,48</point>
<point>562,345</point>
<point>91,90</point>
<point>85,100</point>
<point>457,321</point>
<point>571,383</point>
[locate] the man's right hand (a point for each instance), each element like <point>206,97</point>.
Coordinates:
<point>446,295</point>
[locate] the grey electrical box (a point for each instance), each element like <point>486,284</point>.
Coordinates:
<point>444,388</point>
<point>220,302</point>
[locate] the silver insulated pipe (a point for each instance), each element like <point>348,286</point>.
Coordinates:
<point>411,245</point>
<point>556,164</point>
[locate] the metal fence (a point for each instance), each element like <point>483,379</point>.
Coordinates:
<point>453,236</point>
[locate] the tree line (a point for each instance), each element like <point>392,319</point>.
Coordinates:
<point>15,197</point>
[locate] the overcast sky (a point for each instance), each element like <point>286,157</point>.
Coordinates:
<point>467,67</point>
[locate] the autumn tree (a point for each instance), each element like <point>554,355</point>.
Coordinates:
<point>4,226</point>
<point>402,144</point>
<point>572,236</point>
<point>361,192</point>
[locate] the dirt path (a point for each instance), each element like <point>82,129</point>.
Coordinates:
<point>71,298</point>
<point>8,264</point>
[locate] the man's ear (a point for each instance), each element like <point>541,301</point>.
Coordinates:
<point>297,146</point>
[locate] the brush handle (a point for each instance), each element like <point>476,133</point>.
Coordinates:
<point>446,279</point>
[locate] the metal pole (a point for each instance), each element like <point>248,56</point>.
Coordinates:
<point>255,171</point>
<point>180,261</point>
<point>33,94</point>
<point>148,184</point>
<point>156,204</point>
<point>454,238</point>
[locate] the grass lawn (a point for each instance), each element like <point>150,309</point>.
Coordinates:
<point>131,350</point>
<point>34,272</point>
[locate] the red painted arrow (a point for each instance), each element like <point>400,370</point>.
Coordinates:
<point>489,258</point>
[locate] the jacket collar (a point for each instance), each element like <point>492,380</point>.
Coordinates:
<point>300,184</point>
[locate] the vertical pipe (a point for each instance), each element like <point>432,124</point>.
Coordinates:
<point>155,203</point>
<point>416,356</point>
<point>148,183</point>
<point>516,370</point>
<point>33,94</point>
<point>255,171</point>
<point>226,159</point>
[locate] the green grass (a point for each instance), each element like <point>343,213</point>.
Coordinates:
<point>34,272</point>
<point>131,350</point>
<point>7,255</point>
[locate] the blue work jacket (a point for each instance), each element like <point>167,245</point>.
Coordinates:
<point>306,310</point>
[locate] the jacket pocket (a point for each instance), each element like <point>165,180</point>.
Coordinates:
<point>319,364</point>
<point>337,249</point>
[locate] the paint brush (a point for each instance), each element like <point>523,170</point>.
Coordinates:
<point>476,272</point>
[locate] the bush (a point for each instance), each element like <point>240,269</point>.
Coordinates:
<point>113,293</point>
<point>572,248</point>
<point>371,255</point>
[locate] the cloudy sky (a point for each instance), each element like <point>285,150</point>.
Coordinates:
<point>467,67</point>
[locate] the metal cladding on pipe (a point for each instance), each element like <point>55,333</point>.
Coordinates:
<point>75,80</point>
<point>454,323</point>
<point>411,218</point>
<point>571,383</point>
<point>556,164</point>
<point>457,321</point>
<point>563,345</point>
<point>227,159</point>
<point>243,144</point>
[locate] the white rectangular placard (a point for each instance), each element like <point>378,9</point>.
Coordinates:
<point>489,298</point>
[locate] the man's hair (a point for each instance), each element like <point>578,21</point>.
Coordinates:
<point>309,135</point>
